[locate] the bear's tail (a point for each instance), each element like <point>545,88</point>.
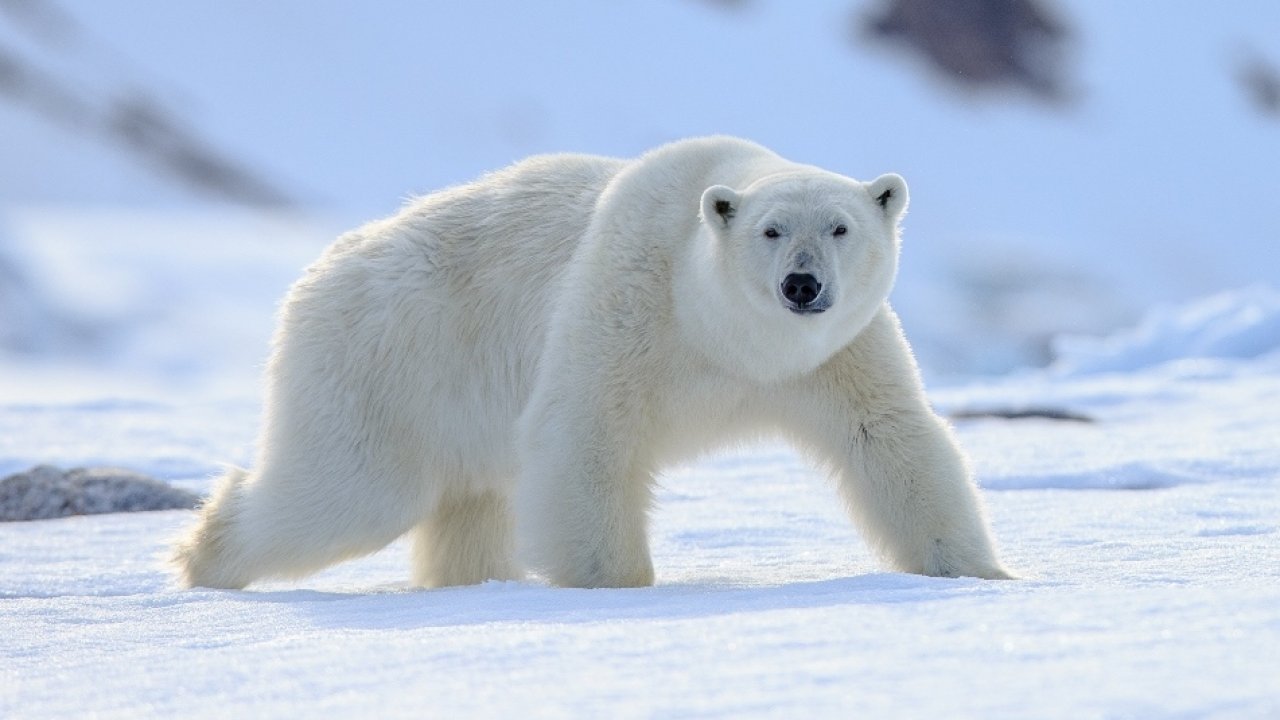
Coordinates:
<point>207,556</point>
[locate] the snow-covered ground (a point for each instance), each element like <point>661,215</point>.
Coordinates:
<point>1128,241</point>
<point>1149,541</point>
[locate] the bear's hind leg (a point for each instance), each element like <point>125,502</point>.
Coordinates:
<point>203,558</point>
<point>467,539</point>
<point>278,525</point>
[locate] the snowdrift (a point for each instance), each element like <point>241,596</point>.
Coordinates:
<point>1238,324</point>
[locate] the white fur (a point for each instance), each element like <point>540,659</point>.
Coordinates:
<point>564,328</point>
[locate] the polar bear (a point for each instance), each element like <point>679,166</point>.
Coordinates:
<point>517,357</point>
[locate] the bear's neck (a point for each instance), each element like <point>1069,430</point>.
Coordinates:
<point>731,333</point>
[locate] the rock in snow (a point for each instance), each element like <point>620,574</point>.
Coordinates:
<point>45,492</point>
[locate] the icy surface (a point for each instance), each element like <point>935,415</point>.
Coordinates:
<point>1148,540</point>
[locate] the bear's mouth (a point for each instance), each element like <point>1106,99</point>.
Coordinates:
<point>812,308</point>
<point>819,304</point>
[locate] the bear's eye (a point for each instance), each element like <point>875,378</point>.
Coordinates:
<point>771,233</point>
<point>840,230</point>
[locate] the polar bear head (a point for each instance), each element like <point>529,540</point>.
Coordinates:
<point>811,254</point>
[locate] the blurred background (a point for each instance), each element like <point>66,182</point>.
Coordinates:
<point>167,169</point>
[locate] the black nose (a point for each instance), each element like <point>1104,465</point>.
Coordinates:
<point>801,289</point>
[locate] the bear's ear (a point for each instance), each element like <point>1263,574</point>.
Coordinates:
<point>719,205</point>
<point>889,193</point>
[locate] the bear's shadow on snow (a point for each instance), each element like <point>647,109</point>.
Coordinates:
<point>527,602</point>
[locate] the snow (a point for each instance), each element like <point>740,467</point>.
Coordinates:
<point>1148,541</point>
<point>1234,324</point>
<point>1114,261</point>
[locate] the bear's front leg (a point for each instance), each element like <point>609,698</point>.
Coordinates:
<point>584,499</point>
<point>909,488</point>
<point>901,472</point>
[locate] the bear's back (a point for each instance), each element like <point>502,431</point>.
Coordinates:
<point>512,231</point>
<point>499,248</point>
